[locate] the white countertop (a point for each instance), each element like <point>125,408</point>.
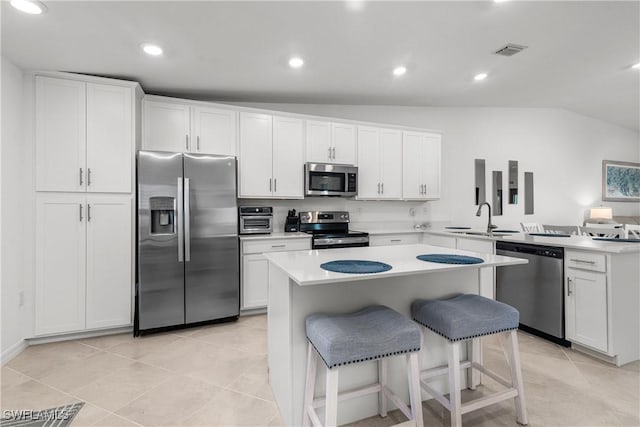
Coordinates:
<point>278,235</point>
<point>304,266</point>
<point>573,242</point>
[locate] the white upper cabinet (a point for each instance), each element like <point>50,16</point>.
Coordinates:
<point>109,138</point>
<point>331,142</point>
<point>421,166</point>
<point>379,161</point>
<point>181,127</point>
<point>271,157</point>
<point>60,134</point>
<point>214,131</point>
<point>288,157</point>
<point>256,144</point>
<point>165,126</point>
<point>84,136</point>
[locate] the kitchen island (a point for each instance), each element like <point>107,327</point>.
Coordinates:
<point>298,287</point>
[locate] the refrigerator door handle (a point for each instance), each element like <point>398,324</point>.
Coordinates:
<point>187,220</point>
<point>180,221</point>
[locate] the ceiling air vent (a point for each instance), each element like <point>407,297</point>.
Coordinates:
<point>510,49</point>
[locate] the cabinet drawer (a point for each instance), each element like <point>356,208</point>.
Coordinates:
<point>586,261</point>
<point>275,245</point>
<point>390,240</point>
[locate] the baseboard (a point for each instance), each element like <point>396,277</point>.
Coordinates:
<point>595,354</point>
<point>252,311</point>
<point>13,351</point>
<point>79,335</point>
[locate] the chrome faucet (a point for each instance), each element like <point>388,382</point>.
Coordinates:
<point>490,226</point>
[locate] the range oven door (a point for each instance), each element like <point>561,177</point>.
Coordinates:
<point>336,242</point>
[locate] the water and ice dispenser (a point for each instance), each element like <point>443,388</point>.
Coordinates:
<point>163,215</point>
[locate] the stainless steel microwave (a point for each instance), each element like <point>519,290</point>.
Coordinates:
<point>323,179</point>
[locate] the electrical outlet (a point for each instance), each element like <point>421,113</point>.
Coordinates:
<point>20,298</point>
<point>412,212</point>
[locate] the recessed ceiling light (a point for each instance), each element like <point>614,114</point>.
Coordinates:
<point>499,1</point>
<point>398,71</point>
<point>636,66</point>
<point>152,49</point>
<point>479,77</point>
<point>296,62</point>
<point>32,7</point>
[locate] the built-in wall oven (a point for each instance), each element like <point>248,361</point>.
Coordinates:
<point>255,219</point>
<point>323,179</point>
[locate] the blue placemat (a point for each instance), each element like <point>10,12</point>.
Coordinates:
<point>355,266</point>
<point>614,239</point>
<point>505,231</point>
<point>450,259</point>
<point>452,227</point>
<point>550,234</point>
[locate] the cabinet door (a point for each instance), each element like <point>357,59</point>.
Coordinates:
<point>431,166</point>
<point>319,142</point>
<point>109,262</point>
<point>109,138</point>
<point>214,131</point>
<point>256,139</point>
<point>412,185</point>
<point>369,182</point>
<point>288,158</point>
<point>255,281</point>
<point>60,264</point>
<point>165,126</point>
<point>390,163</point>
<point>60,134</point>
<point>586,308</point>
<point>343,141</point>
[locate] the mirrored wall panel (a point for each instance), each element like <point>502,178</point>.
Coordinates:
<point>528,193</point>
<point>481,191</point>
<point>497,192</point>
<point>513,182</point>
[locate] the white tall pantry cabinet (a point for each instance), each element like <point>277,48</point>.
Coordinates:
<point>85,151</point>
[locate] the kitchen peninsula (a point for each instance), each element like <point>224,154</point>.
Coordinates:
<point>298,286</point>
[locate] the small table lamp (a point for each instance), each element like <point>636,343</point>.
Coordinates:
<point>601,213</point>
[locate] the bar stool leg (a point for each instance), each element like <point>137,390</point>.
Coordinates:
<point>455,396</point>
<point>415,393</point>
<point>331,406</point>
<point>516,378</point>
<point>382,379</point>
<point>474,349</point>
<point>310,384</point>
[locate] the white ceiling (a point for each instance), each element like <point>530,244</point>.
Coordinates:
<point>578,57</point>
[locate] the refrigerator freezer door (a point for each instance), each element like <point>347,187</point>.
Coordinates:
<point>212,279</point>
<point>160,273</point>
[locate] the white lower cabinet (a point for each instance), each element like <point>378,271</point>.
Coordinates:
<point>254,276</point>
<point>83,262</point>
<point>394,239</point>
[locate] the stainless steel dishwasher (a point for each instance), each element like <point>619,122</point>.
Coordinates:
<point>536,289</point>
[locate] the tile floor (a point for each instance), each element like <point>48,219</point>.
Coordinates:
<point>217,376</point>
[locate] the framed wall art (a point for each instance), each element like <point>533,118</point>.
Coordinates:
<point>620,181</point>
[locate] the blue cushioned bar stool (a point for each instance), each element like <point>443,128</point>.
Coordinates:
<point>464,318</point>
<point>373,333</point>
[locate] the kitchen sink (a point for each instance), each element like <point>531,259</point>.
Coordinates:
<point>484,233</point>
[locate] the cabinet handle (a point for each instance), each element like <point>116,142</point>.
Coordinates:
<point>80,176</point>
<point>275,185</point>
<point>278,246</point>
<point>270,179</point>
<point>582,261</point>
<point>569,291</point>
<point>378,188</point>
<point>395,240</point>
<point>88,212</point>
<point>334,153</point>
<point>186,141</point>
<point>382,188</point>
<point>88,176</point>
<point>329,153</point>
<point>198,142</point>
<point>80,205</point>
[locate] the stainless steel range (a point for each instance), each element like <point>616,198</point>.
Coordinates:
<point>330,230</point>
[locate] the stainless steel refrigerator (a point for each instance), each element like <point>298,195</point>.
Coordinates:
<point>188,259</point>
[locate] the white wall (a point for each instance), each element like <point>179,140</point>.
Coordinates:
<point>13,207</point>
<point>564,150</point>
